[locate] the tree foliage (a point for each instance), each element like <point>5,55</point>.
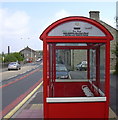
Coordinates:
<point>0,58</point>
<point>18,56</point>
<point>12,57</point>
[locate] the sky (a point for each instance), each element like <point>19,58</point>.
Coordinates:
<point>21,23</point>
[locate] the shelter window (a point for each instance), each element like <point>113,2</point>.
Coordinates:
<point>76,70</point>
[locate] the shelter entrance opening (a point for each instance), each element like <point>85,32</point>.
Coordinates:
<point>77,70</point>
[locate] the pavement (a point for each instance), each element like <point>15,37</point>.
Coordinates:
<point>33,108</point>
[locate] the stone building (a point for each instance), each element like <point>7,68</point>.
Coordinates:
<point>29,54</point>
<point>78,56</point>
<point>73,57</point>
<point>96,16</point>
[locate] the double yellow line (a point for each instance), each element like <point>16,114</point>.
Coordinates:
<point>13,111</point>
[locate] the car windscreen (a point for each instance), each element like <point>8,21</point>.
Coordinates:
<point>59,69</point>
<point>13,63</point>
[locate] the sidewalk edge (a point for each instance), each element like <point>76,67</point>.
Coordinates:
<point>13,111</point>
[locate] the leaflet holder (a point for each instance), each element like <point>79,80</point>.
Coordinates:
<point>66,96</point>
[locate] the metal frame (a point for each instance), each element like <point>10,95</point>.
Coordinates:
<point>75,99</point>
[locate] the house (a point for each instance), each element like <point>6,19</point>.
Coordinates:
<point>96,16</point>
<point>77,56</point>
<point>29,54</point>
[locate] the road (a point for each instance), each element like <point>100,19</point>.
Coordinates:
<point>10,74</point>
<point>114,93</point>
<point>14,90</point>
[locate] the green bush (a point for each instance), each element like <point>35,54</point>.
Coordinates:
<point>10,58</point>
<point>18,56</point>
<point>0,58</point>
<point>13,57</point>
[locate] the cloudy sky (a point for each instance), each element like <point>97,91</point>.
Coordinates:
<point>21,23</point>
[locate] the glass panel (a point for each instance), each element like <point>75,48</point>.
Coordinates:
<point>71,70</point>
<point>92,64</point>
<point>97,69</point>
<point>102,68</point>
<point>68,70</point>
<point>51,70</point>
<point>74,60</point>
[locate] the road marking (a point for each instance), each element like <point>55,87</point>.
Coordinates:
<point>14,103</point>
<point>70,76</point>
<point>19,79</point>
<point>112,114</point>
<point>13,111</point>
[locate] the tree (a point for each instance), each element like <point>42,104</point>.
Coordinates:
<point>0,58</point>
<point>13,57</point>
<point>18,56</point>
<point>10,58</point>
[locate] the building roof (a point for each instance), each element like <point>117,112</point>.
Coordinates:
<point>96,16</point>
<point>28,48</point>
<point>104,23</point>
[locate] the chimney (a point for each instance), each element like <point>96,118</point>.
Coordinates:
<point>8,49</point>
<point>94,15</point>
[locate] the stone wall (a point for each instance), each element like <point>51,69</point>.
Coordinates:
<point>96,16</point>
<point>114,32</point>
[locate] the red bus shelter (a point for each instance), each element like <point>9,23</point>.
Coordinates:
<point>71,93</point>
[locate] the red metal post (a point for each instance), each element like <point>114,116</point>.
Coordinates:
<point>88,64</point>
<point>107,79</point>
<point>76,47</point>
<point>45,82</point>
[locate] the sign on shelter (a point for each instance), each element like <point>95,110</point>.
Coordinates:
<point>76,28</point>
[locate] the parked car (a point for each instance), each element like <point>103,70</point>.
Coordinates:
<point>61,72</point>
<point>38,60</point>
<point>14,66</point>
<point>82,66</point>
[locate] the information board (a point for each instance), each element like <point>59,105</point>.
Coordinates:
<point>76,28</point>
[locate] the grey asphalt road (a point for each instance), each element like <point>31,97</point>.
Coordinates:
<point>78,74</point>
<point>17,88</point>
<point>5,74</point>
<point>114,93</point>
